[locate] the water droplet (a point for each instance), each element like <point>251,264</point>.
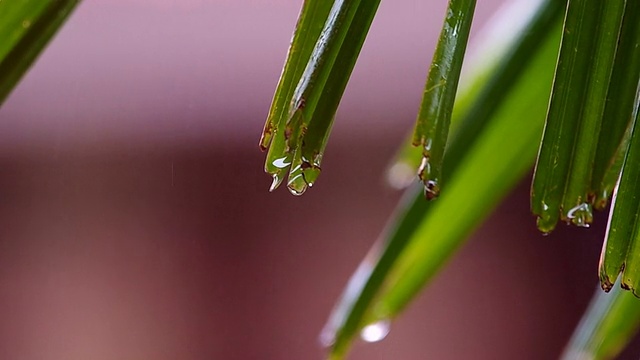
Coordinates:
<point>545,207</point>
<point>296,185</point>
<point>277,180</point>
<point>376,331</point>
<point>425,169</point>
<point>546,223</point>
<point>431,189</point>
<point>581,215</point>
<point>311,174</point>
<point>281,163</point>
<point>427,145</point>
<point>26,24</point>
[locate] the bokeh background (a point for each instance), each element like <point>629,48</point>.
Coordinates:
<point>135,221</point>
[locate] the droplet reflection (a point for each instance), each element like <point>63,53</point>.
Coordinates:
<point>375,332</point>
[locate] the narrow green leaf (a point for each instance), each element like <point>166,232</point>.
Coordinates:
<point>309,88</point>
<point>320,125</point>
<point>490,73</point>
<point>308,95</point>
<point>26,27</point>
<point>579,195</point>
<point>560,145</point>
<point>432,125</point>
<point>492,166</point>
<point>310,24</point>
<point>348,316</point>
<point>622,229</point>
<point>610,322</point>
<point>564,185</point>
<point>323,83</point>
<point>619,107</point>
<point>510,69</point>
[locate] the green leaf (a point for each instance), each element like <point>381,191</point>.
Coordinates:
<point>432,125</point>
<point>310,24</point>
<point>320,126</point>
<point>623,105</point>
<point>493,165</point>
<point>351,312</point>
<point>609,323</point>
<point>619,107</point>
<point>480,94</point>
<point>562,182</point>
<point>622,241</point>
<point>26,26</point>
<point>323,83</point>
<point>306,112</point>
<point>579,192</point>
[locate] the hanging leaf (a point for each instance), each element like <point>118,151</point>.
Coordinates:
<point>622,243</point>
<point>618,108</point>
<point>353,310</point>
<point>432,125</point>
<point>26,27</point>
<point>329,39</point>
<point>610,322</point>
<point>562,182</point>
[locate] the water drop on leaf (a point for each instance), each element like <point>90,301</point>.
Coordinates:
<point>376,331</point>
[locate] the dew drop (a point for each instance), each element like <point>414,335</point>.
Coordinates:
<point>546,223</point>
<point>376,331</point>
<point>581,215</point>
<point>281,163</point>
<point>427,145</point>
<point>425,169</point>
<point>277,180</point>
<point>296,185</point>
<point>431,189</point>
<point>297,191</point>
<point>311,174</point>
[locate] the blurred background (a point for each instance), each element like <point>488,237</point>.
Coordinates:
<point>135,221</point>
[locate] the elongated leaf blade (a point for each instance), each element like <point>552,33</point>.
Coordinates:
<point>319,129</point>
<point>609,323</point>
<point>496,67</point>
<point>492,166</point>
<point>619,107</point>
<point>322,84</point>
<point>351,313</point>
<point>621,239</point>
<point>311,88</point>
<point>432,125</point>
<point>310,24</point>
<point>568,99</point>
<point>26,27</point>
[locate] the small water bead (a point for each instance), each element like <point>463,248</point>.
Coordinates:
<point>581,215</point>
<point>282,163</point>
<point>277,180</point>
<point>376,331</point>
